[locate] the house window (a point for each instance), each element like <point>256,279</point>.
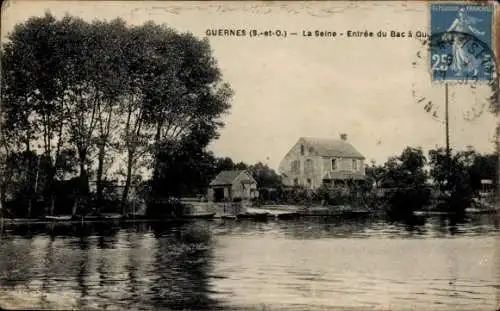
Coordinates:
<point>308,166</point>
<point>296,167</point>
<point>334,164</point>
<point>309,181</point>
<point>296,182</point>
<point>301,149</point>
<point>354,164</point>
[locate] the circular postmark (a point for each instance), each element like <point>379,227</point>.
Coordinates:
<point>461,60</point>
<point>460,57</point>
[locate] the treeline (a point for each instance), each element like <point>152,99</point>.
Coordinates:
<point>81,99</point>
<point>413,181</point>
<point>408,182</point>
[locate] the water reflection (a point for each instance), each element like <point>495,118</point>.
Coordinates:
<point>93,267</point>
<point>430,263</point>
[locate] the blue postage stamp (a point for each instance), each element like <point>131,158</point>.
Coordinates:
<point>461,41</point>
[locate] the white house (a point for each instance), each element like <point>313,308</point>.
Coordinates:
<point>314,161</point>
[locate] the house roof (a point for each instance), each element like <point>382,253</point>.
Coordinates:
<point>331,147</point>
<point>225,177</point>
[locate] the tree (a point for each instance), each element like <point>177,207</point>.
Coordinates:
<point>439,167</point>
<point>265,176</point>
<point>90,92</point>
<point>461,175</point>
<point>184,92</point>
<point>224,164</point>
<point>374,174</point>
<point>19,179</point>
<point>37,65</point>
<point>405,179</point>
<point>483,167</point>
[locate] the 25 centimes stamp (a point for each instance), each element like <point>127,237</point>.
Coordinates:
<point>458,51</point>
<point>461,42</point>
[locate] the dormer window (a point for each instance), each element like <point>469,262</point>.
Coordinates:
<point>301,149</point>
<point>334,164</point>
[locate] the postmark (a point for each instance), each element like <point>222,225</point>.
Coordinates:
<point>461,42</point>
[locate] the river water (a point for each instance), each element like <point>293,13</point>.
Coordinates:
<point>315,264</point>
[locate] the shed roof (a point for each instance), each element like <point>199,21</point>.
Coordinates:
<point>331,147</point>
<point>226,177</point>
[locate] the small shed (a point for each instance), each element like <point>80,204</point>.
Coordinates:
<point>232,185</point>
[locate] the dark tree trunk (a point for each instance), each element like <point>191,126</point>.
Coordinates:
<point>29,179</point>
<point>3,193</point>
<point>51,190</point>
<point>82,185</point>
<point>156,168</point>
<point>99,185</point>
<point>156,171</point>
<point>128,181</point>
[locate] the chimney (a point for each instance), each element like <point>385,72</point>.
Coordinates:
<point>343,136</point>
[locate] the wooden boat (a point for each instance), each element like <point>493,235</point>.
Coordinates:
<point>355,212</point>
<point>199,216</point>
<point>228,217</point>
<point>254,216</point>
<point>475,210</point>
<point>430,213</point>
<point>287,216</point>
<point>59,218</point>
<point>112,216</point>
<point>21,220</point>
<point>419,213</point>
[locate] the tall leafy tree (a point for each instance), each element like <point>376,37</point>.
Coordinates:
<point>265,176</point>
<point>461,175</point>
<point>375,174</point>
<point>406,180</point>
<point>38,66</point>
<point>187,93</point>
<point>90,92</point>
<point>108,66</point>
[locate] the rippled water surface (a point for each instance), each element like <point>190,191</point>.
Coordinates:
<point>313,264</point>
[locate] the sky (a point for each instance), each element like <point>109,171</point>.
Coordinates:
<point>285,88</point>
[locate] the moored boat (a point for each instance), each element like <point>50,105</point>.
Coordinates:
<point>21,220</point>
<point>254,216</point>
<point>199,215</point>
<point>287,216</point>
<point>227,217</point>
<point>112,216</point>
<point>59,218</point>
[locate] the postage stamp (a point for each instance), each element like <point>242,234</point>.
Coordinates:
<point>462,42</point>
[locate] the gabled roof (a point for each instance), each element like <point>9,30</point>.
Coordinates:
<point>331,147</point>
<point>226,177</point>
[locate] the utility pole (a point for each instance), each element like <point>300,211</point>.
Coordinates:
<point>447,129</point>
<point>497,192</point>
<point>447,122</point>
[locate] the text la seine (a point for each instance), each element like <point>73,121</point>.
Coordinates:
<point>349,33</point>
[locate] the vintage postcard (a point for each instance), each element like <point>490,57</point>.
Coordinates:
<point>170,155</point>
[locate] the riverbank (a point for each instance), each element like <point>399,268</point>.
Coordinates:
<point>210,210</point>
<point>203,210</point>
